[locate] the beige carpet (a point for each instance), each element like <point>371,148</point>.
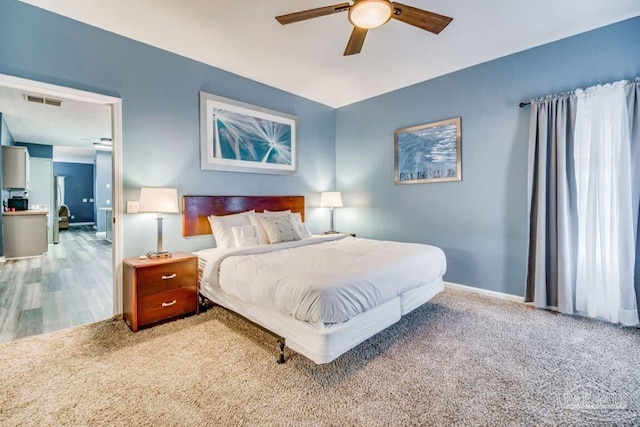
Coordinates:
<point>462,359</point>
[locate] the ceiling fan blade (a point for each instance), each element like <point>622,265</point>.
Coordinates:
<point>355,41</point>
<point>429,21</point>
<point>312,13</point>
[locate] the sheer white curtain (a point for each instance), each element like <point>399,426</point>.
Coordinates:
<point>606,233</point>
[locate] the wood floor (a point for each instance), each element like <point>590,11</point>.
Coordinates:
<point>70,286</point>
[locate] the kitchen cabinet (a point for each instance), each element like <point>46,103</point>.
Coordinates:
<point>24,233</point>
<point>15,168</point>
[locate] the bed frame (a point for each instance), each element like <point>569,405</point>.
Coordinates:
<point>196,209</point>
<point>333,340</point>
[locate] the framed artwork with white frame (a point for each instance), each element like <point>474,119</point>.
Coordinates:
<point>240,137</point>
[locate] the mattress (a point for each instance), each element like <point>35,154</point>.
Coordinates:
<point>328,279</point>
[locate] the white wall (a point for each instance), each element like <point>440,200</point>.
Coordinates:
<point>41,191</point>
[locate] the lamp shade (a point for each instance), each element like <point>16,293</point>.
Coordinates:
<point>331,199</point>
<point>370,13</point>
<point>158,200</point>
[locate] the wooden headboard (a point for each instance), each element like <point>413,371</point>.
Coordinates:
<point>196,209</point>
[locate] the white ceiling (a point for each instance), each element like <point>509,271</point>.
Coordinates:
<point>306,59</point>
<point>71,128</point>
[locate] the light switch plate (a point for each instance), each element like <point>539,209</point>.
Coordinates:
<point>91,200</point>
<point>132,207</point>
<point>84,200</point>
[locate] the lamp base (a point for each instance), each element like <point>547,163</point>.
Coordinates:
<point>156,255</point>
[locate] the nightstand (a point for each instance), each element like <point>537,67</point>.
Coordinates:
<point>339,232</point>
<point>159,289</point>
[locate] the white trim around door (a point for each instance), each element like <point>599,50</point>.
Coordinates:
<point>116,129</point>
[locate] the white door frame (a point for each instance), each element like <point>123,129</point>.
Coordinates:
<point>116,135</point>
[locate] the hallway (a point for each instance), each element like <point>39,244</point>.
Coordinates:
<point>71,285</point>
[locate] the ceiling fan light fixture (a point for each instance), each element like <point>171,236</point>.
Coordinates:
<point>370,13</point>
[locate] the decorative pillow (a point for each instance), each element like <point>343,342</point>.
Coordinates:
<point>279,228</point>
<point>254,217</point>
<point>296,218</point>
<point>244,236</point>
<point>221,227</point>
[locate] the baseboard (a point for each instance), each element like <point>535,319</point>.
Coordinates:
<point>101,234</point>
<point>2,259</point>
<point>76,224</point>
<point>25,257</point>
<point>485,292</point>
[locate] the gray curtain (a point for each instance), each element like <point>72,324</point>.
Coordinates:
<point>552,199</point>
<point>552,204</point>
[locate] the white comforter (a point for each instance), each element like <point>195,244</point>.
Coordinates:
<point>327,279</point>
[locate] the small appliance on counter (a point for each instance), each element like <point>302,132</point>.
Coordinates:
<point>18,204</point>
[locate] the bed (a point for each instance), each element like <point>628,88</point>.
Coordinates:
<point>321,295</point>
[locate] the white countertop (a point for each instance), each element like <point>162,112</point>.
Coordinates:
<point>28,212</point>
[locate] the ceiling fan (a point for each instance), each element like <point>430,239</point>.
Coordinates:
<point>367,14</point>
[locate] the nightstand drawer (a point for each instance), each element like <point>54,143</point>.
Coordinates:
<point>164,305</point>
<point>164,277</point>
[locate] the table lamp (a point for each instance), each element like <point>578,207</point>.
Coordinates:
<point>331,200</point>
<point>159,201</point>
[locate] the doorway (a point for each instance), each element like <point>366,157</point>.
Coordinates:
<point>114,106</point>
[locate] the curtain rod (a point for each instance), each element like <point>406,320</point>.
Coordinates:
<point>636,80</point>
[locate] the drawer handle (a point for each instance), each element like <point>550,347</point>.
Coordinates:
<point>170,276</point>
<point>168,304</point>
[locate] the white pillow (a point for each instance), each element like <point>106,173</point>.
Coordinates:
<point>244,236</point>
<point>279,228</point>
<point>254,218</point>
<point>302,229</point>
<point>296,217</point>
<point>221,227</point>
<point>288,211</point>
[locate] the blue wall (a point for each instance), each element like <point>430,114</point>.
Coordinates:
<point>78,186</point>
<point>5,139</point>
<point>159,92</point>
<point>37,150</point>
<point>480,222</point>
<point>103,199</point>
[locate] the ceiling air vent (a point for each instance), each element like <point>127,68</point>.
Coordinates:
<point>54,102</point>
<point>41,100</point>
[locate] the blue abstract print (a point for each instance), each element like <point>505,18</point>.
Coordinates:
<point>241,137</point>
<point>428,153</point>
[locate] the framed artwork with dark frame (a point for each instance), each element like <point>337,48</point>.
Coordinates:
<point>239,137</point>
<point>428,153</point>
